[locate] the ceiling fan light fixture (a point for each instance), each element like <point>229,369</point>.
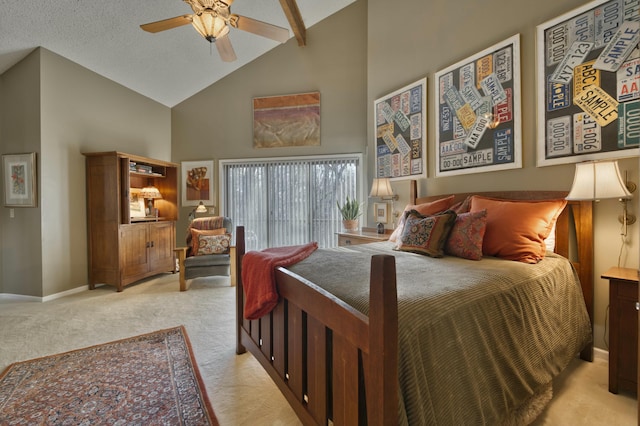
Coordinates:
<point>210,26</point>
<point>200,6</point>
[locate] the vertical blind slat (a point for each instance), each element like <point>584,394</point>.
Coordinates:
<point>289,202</point>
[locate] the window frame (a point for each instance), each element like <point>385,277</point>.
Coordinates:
<point>358,157</point>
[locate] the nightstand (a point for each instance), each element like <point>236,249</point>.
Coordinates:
<point>623,323</point>
<point>361,237</point>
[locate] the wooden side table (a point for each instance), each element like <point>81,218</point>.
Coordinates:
<point>360,237</point>
<point>623,322</point>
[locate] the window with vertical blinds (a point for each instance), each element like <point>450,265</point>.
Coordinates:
<point>289,201</point>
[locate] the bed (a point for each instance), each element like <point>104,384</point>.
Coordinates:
<point>344,343</point>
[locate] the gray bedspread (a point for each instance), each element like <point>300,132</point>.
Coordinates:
<point>476,338</point>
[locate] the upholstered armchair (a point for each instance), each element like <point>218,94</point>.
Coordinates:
<point>210,250</point>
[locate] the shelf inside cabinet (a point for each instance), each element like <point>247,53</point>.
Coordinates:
<point>141,174</point>
<point>148,219</point>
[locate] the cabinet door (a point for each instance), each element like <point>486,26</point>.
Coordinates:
<point>161,257</point>
<point>134,251</point>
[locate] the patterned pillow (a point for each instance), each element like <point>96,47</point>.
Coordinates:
<point>434,207</point>
<point>425,234</point>
<point>462,206</point>
<point>196,233</point>
<point>465,239</point>
<point>213,244</point>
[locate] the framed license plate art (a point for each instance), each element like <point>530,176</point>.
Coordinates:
<point>20,185</point>
<point>477,107</point>
<point>197,182</point>
<point>401,133</point>
<point>588,77</point>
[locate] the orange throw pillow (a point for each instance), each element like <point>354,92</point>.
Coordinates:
<point>516,229</point>
<point>425,209</point>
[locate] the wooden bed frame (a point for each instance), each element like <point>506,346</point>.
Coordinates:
<point>332,362</point>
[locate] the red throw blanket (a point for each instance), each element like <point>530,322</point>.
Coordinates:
<point>259,276</point>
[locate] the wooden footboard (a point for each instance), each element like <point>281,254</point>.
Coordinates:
<point>322,353</point>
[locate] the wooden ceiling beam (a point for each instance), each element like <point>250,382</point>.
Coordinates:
<point>290,8</point>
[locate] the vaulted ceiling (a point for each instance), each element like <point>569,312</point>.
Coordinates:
<point>170,66</point>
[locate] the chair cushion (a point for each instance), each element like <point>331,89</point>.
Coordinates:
<point>207,260</point>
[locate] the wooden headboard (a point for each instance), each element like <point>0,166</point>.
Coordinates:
<point>574,235</point>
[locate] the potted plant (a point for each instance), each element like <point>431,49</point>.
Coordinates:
<point>351,210</point>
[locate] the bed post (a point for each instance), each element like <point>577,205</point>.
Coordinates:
<point>382,385</point>
<point>584,235</point>
<point>240,249</point>
<point>413,191</point>
<point>578,248</point>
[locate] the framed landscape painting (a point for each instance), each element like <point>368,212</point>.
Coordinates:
<point>477,106</point>
<point>588,84</point>
<point>286,121</point>
<point>401,133</point>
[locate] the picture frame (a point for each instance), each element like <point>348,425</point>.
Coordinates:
<point>381,212</point>
<point>136,203</point>
<point>286,120</point>
<point>571,50</point>
<point>20,180</point>
<point>400,126</point>
<point>477,106</point>
<point>197,182</point>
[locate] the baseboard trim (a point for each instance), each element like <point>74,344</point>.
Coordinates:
<point>601,354</point>
<point>9,297</point>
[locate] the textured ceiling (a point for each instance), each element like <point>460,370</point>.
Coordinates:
<point>105,37</point>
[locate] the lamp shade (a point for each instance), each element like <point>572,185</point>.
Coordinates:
<point>150,192</point>
<point>201,208</point>
<point>381,188</point>
<point>598,180</point>
<point>210,26</point>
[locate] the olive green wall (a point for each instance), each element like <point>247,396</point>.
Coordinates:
<point>59,109</point>
<point>216,123</point>
<point>370,49</point>
<point>20,133</point>
<point>56,108</point>
<point>424,37</point>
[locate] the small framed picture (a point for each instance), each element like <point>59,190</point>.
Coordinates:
<point>197,182</point>
<point>19,171</point>
<point>381,212</point>
<point>136,203</point>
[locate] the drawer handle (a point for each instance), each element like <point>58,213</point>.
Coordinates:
<point>347,242</point>
<point>637,306</point>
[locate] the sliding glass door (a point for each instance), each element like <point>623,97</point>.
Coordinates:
<point>289,201</point>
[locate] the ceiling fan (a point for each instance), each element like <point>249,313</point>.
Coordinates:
<point>212,18</point>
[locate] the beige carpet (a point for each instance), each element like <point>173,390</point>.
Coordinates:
<point>239,390</point>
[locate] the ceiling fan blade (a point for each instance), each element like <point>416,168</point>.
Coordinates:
<point>263,29</point>
<point>225,49</point>
<point>166,24</point>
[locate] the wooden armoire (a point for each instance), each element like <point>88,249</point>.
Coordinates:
<point>126,241</point>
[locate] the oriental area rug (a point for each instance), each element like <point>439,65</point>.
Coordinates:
<point>147,379</point>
